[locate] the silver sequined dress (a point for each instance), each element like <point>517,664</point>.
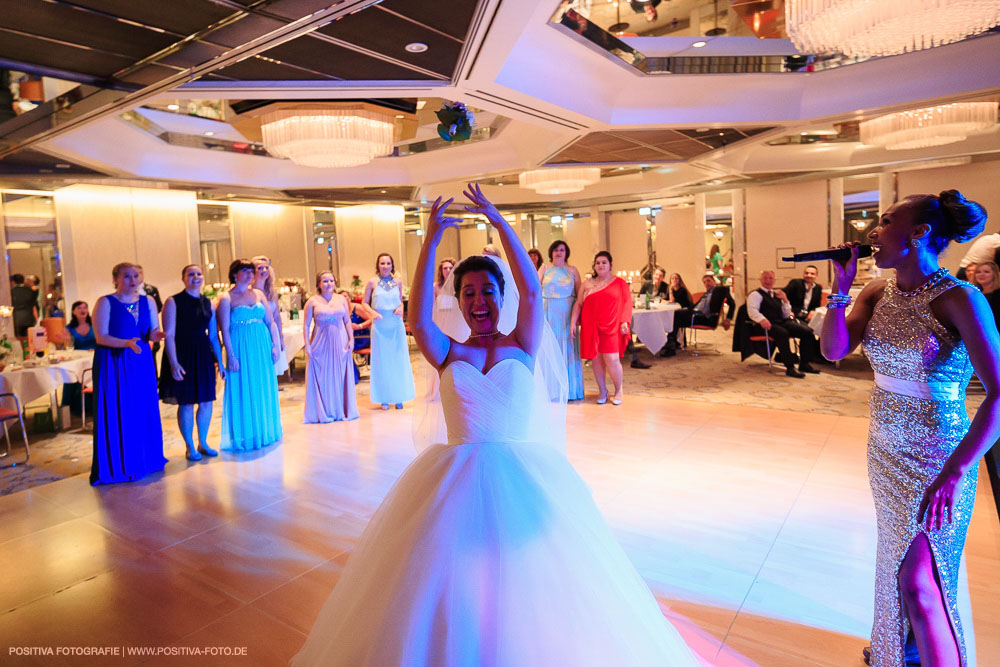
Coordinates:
<point>909,439</point>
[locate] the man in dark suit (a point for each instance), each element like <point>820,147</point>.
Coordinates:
<point>709,307</point>
<point>657,287</point>
<point>804,294</point>
<point>771,311</point>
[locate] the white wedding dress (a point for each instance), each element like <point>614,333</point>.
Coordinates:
<point>490,552</point>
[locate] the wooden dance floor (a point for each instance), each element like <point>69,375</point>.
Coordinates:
<point>754,528</point>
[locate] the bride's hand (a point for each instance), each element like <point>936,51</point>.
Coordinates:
<point>437,222</point>
<point>482,205</point>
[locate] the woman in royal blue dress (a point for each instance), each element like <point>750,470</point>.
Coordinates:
<point>251,417</point>
<point>187,376</point>
<point>81,331</point>
<point>128,438</point>
<point>391,380</point>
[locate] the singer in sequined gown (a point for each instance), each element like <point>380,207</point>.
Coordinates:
<point>925,333</point>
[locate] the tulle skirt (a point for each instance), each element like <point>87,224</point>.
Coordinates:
<point>491,555</point>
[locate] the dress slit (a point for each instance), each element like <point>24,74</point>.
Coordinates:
<point>954,622</point>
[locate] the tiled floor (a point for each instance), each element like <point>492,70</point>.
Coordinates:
<point>754,528</point>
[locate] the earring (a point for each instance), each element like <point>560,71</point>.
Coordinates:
<point>915,243</point>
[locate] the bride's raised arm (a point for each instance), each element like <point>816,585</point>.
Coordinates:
<point>530,318</point>
<point>433,343</point>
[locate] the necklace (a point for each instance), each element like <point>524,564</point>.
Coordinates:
<point>932,281</point>
<point>133,310</point>
<point>484,335</point>
<point>387,283</point>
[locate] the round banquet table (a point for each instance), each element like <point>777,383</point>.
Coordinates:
<point>652,326</point>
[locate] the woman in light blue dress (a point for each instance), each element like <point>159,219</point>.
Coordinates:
<point>251,418</point>
<point>560,289</point>
<point>391,374</point>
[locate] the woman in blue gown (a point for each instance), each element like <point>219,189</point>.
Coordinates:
<point>81,331</point>
<point>128,438</point>
<point>251,417</point>
<point>560,289</point>
<point>391,380</point>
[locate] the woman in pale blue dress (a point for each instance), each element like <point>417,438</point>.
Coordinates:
<point>391,375</point>
<point>560,289</point>
<point>251,418</point>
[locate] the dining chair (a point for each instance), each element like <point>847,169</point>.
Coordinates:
<point>6,414</point>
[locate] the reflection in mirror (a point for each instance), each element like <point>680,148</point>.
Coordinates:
<point>324,235</point>
<point>215,244</point>
<point>32,260</point>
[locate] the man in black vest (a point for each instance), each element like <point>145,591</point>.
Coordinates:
<point>805,294</point>
<point>770,310</point>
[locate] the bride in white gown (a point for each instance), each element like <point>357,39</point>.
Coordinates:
<point>489,550</point>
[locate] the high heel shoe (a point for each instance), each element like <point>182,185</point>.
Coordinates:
<point>385,406</point>
<point>192,455</point>
<point>399,406</point>
<point>601,400</point>
<point>616,401</point>
<point>207,451</point>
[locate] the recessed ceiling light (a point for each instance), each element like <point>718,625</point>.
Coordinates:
<point>698,45</point>
<point>416,47</point>
<point>62,165</point>
<point>209,133</point>
<point>702,129</point>
<point>382,191</point>
<point>173,107</point>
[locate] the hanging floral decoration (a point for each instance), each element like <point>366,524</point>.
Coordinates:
<point>456,122</point>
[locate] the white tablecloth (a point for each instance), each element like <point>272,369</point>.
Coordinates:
<point>294,339</point>
<point>652,326</point>
<point>32,383</point>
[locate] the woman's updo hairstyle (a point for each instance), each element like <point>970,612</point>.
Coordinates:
<point>602,253</point>
<point>476,263</point>
<point>319,277</point>
<point>951,217</point>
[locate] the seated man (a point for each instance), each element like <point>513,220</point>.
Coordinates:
<point>804,294</point>
<point>655,287</point>
<point>770,310</point>
<point>709,307</point>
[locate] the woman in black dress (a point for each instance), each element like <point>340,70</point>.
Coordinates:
<point>187,376</point>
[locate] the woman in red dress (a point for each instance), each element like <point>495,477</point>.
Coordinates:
<point>604,313</point>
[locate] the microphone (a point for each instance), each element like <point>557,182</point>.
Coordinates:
<point>836,254</point>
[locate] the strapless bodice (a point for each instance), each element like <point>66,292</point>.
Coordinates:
<point>244,314</point>
<point>490,407</point>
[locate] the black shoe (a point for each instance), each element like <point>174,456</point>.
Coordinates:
<point>640,364</point>
<point>668,352</point>
<point>792,373</point>
<point>808,369</point>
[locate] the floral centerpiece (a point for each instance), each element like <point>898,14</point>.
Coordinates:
<point>456,122</point>
<point>357,289</point>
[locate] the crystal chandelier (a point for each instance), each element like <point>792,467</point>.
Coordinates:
<point>866,28</point>
<point>933,126</point>
<point>327,137</point>
<point>559,181</point>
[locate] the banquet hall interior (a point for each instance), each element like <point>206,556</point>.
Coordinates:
<point>318,134</point>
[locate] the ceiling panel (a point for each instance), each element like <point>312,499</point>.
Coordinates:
<point>389,34</point>
<point>258,69</point>
<point>60,56</point>
<point>650,145</point>
<point>394,193</point>
<point>178,16</point>
<point>65,24</point>
<point>339,62</point>
<point>452,18</point>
